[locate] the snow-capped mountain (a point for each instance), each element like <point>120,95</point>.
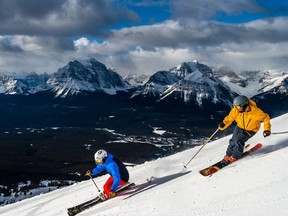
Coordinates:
<point>228,75</point>
<point>157,84</point>
<point>136,80</point>
<point>274,97</point>
<point>25,84</point>
<point>267,88</point>
<point>89,75</point>
<point>191,82</point>
<point>76,77</point>
<point>249,83</point>
<point>276,85</point>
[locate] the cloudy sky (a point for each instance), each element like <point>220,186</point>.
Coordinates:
<point>143,36</point>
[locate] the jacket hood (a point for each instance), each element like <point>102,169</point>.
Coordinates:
<point>252,103</point>
<point>109,159</point>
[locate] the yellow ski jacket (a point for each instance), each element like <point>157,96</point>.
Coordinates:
<point>249,120</point>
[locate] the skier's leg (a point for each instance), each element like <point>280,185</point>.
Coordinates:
<point>240,141</point>
<point>107,186</point>
<point>232,141</point>
<point>122,182</point>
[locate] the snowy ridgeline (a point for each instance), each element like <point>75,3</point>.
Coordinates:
<point>27,190</point>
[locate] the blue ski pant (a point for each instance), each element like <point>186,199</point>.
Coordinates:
<point>237,142</point>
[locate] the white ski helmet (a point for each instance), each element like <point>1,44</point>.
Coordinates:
<point>100,156</point>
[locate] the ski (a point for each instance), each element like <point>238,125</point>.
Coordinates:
<point>83,206</point>
<point>221,164</point>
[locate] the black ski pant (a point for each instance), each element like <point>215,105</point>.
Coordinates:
<point>237,142</point>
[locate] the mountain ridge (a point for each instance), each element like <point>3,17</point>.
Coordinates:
<point>187,83</point>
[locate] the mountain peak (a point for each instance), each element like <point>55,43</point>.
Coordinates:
<point>86,75</point>
<point>89,63</point>
<point>189,82</point>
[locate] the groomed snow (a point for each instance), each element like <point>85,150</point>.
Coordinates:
<point>254,186</point>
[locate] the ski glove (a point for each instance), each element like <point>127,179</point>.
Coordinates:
<point>266,133</point>
<point>112,194</point>
<point>88,173</point>
<point>221,125</point>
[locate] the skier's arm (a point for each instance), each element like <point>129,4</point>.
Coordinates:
<point>97,170</point>
<point>114,171</point>
<point>267,124</point>
<point>228,119</point>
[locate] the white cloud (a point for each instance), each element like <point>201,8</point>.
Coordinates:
<point>148,48</point>
<point>82,42</point>
<point>142,61</point>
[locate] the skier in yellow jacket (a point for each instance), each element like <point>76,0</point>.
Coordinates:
<point>248,118</point>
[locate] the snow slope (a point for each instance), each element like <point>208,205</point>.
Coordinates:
<point>256,185</point>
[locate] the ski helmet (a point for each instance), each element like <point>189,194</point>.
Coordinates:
<point>240,101</point>
<point>100,156</point>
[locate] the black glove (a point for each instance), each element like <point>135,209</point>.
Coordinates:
<point>266,133</point>
<point>221,125</point>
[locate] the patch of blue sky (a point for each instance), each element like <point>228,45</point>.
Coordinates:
<point>147,16</point>
<point>237,19</point>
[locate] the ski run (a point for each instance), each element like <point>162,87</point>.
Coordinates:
<point>257,185</point>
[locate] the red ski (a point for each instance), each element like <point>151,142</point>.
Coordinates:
<point>83,206</point>
<point>221,164</point>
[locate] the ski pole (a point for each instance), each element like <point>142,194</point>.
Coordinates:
<point>280,132</point>
<point>94,183</point>
<point>185,166</point>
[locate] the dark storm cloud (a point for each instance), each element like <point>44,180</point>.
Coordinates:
<point>7,46</point>
<point>54,44</point>
<point>62,18</point>
<point>13,9</point>
<point>191,33</point>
